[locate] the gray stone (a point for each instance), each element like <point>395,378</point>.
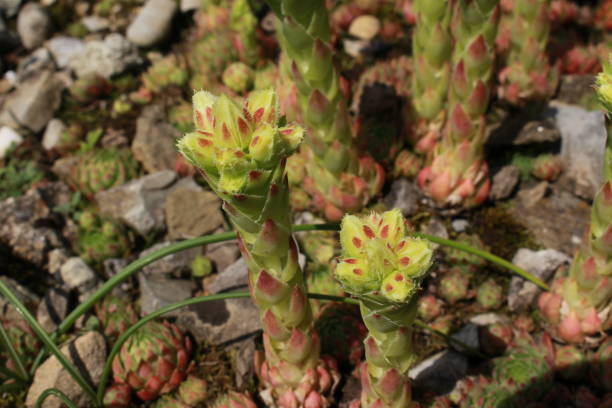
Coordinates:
<point>189,5</point>
<point>154,143</point>
<point>33,103</point>
<point>354,48</point>
<point>53,309</point>
<point>543,219</point>
<point>530,197</point>
<point>76,274</point>
<point>88,354</point>
<point>29,226</point>
<point>243,362</point>
<point>152,23</point>
<point>8,139</point>
<point>25,296</point>
<point>542,264</point>
<point>35,62</point>
<point>405,196</point>
<point>225,320</point>
<point>159,291</point>
<point>460,225</point>
<point>440,372</point>
<point>468,335</point>
<point>222,254</point>
<point>436,228</point>
<point>177,264</point>
<point>583,142</point>
<point>95,23</point>
<point>535,132</point>
<point>504,182</point>
<point>33,25</point>
<point>10,7</point>
<point>63,48</point>
<point>109,57</point>
<point>190,214</point>
<point>53,134</point>
<point>140,203</point>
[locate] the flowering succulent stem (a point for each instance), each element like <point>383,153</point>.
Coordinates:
<point>383,267</point>
<point>579,305</point>
<point>336,176</point>
<point>242,153</point>
<point>458,174</point>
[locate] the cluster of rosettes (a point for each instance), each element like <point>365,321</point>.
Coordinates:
<point>604,85</point>
<point>238,146</point>
<point>379,259</point>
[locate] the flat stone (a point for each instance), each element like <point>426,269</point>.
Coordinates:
<point>222,254</point>
<point>530,197</point>
<point>88,354</point>
<point>35,62</point>
<point>177,264</point>
<point>225,320</point>
<point>53,134</point>
<point>583,144</point>
<point>155,140</point>
<point>534,132</point>
<point>440,372</point>
<point>28,224</point>
<point>460,225</point>
<point>542,264</point>
<point>95,23</point>
<point>25,296</point>
<point>33,25</point>
<point>543,219</point>
<point>63,48</point>
<point>33,103</point>
<point>8,138</point>
<point>436,228</point>
<point>76,274</point>
<point>152,23</point>
<point>190,214</point>
<point>107,57</point>
<point>468,335</point>
<point>159,291</point>
<point>10,7</point>
<point>405,196</point>
<point>505,182</point>
<point>53,309</point>
<point>140,203</point>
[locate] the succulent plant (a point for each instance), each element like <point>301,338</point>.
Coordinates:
<point>118,396</point>
<point>154,360</point>
<point>342,332</point>
<point>193,391</point>
<point>181,116</point>
<point>458,175</point>
<point>570,363</point>
<point>24,341</point>
<point>547,167</point>
<point>296,171</point>
<point>432,45</point>
<point>89,88</point>
<point>168,71</point>
<point>337,177</point>
<point>430,307</point>
<point>454,286</point>
<point>490,294</point>
<point>603,15</point>
<point>581,60</point>
<point>101,169</point>
<point>167,401</point>
<point>116,315</point>
<point>578,305</point>
<point>383,267</point>
<point>495,338</point>
<point>601,366</point>
<point>456,256</point>
<point>266,76</point>
<point>242,151</point>
<point>528,75</point>
<point>244,24</point>
<point>443,324</point>
<point>407,164</point>
<point>238,77</point>
<point>234,400</point>
<point>100,238</point>
<point>211,20</point>
<point>208,58</point>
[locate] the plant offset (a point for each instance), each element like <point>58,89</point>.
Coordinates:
<point>306,204</point>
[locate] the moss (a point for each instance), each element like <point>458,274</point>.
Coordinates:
<point>502,233</point>
<point>524,163</point>
<point>77,30</point>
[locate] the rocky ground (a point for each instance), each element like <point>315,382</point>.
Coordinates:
<point>93,97</point>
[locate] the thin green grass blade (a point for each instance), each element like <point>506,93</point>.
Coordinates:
<point>6,344</point>
<point>56,393</point>
<point>48,342</point>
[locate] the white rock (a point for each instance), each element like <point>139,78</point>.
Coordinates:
<point>107,58</point>
<point>95,23</point>
<point>33,25</point>
<point>63,48</point>
<point>76,274</point>
<point>7,137</point>
<point>188,5</point>
<point>152,23</point>
<point>365,27</point>
<point>53,134</point>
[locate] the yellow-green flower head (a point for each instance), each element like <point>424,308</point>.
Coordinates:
<point>604,86</point>
<point>379,259</point>
<point>238,146</point>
